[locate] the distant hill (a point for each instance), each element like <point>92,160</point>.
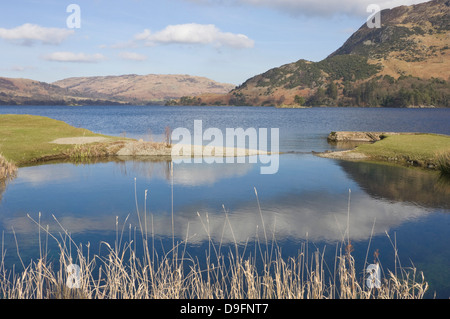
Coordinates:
<point>125,89</point>
<point>30,92</point>
<point>405,63</point>
<point>143,88</point>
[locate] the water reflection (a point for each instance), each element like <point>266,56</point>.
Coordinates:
<point>399,184</point>
<point>185,174</point>
<point>87,199</point>
<point>2,187</point>
<point>346,145</point>
<point>37,177</point>
<point>289,218</point>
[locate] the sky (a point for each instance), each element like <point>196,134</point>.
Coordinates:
<point>225,40</point>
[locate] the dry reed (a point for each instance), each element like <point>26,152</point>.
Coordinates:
<point>123,272</point>
<point>7,170</point>
<point>443,163</point>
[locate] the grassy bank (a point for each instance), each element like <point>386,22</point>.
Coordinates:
<point>424,150</point>
<point>430,151</point>
<point>26,139</point>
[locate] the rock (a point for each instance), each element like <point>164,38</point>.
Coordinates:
<point>347,136</point>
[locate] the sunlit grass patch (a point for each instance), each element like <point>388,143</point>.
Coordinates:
<point>414,149</point>
<point>26,138</point>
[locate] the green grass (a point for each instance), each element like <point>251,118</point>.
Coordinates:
<point>25,138</point>
<point>417,149</point>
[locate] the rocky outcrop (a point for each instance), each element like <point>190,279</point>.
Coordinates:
<point>347,136</point>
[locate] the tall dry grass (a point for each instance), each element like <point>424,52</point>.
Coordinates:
<point>443,163</point>
<point>7,170</point>
<point>124,271</point>
<point>121,273</point>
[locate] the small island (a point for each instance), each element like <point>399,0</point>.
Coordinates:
<point>429,151</point>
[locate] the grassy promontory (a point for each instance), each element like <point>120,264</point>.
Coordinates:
<point>26,139</point>
<point>431,151</point>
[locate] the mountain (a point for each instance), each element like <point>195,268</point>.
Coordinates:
<point>104,90</point>
<point>405,63</point>
<point>413,40</point>
<point>143,88</point>
<point>29,92</point>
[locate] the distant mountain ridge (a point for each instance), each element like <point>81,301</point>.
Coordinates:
<point>104,90</point>
<point>141,88</point>
<point>17,91</point>
<point>405,63</point>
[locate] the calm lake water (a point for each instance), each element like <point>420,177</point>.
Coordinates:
<point>306,201</point>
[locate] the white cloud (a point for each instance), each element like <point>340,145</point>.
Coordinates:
<point>318,8</point>
<point>132,56</point>
<point>74,57</point>
<point>194,33</point>
<point>28,34</point>
<point>19,68</point>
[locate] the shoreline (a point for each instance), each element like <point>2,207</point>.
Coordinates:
<point>409,149</point>
<point>108,149</point>
<point>37,139</point>
<point>120,151</point>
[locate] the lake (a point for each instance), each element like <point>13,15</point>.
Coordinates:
<point>308,200</point>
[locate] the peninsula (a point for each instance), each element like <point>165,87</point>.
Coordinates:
<point>430,151</point>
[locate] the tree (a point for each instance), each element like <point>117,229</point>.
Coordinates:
<point>318,98</point>
<point>300,100</point>
<point>332,91</point>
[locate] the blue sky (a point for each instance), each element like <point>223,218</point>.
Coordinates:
<point>227,41</point>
